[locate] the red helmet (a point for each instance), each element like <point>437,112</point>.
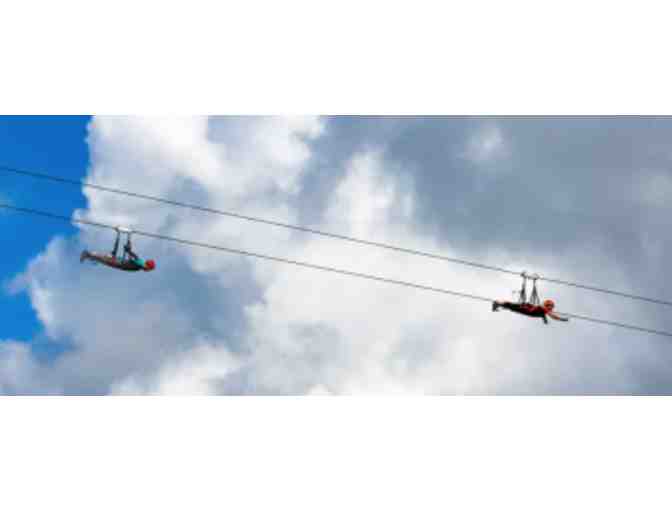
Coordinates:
<point>150,265</point>
<point>549,304</point>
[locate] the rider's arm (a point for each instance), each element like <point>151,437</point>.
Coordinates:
<point>557,317</point>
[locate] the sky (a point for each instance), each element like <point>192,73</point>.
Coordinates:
<point>584,199</point>
<point>55,145</point>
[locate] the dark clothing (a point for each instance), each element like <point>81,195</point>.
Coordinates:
<point>526,309</point>
<point>129,264</point>
<point>132,262</point>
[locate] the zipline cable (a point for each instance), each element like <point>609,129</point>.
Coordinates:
<point>312,266</point>
<point>308,230</point>
<point>251,218</point>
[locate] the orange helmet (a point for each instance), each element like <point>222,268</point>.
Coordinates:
<point>150,265</point>
<point>549,304</point>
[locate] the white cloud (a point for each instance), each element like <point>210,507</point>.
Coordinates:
<point>196,372</point>
<point>131,325</point>
<point>208,322</point>
<point>486,144</point>
<point>20,372</point>
<point>317,332</point>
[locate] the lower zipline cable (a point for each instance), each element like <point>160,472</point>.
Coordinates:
<point>311,266</point>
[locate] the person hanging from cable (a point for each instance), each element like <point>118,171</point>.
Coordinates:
<point>128,261</point>
<point>533,307</point>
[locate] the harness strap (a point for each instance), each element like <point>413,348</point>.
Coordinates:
<point>127,247</point>
<point>534,295</point>
<point>115,249</point>
<point>523,290</point>
<point>534,298</point>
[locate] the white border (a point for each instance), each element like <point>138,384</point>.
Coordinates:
<point>343,57</point>
<point>328,452</point>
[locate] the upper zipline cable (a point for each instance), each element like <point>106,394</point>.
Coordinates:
<point>63,180</point>
<point>313,266</point>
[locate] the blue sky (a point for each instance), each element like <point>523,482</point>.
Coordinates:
<point>50,144</point>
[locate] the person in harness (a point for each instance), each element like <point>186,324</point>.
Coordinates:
<point>533,307</point>
<point>128,261</point>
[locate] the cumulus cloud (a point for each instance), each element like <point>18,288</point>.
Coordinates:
<point>320,332</point>
<point>196,372</point>
<point>120,326</point>
<point>208,322</point>
<point>486,144</point>
<point>21,373</point>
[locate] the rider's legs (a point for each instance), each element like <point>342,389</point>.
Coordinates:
<point>102,258</point>
<point>496,305</point>
<point>514,307</point>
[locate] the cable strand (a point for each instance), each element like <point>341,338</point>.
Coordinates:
<point>312,231</point>
<point>312,266</point>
